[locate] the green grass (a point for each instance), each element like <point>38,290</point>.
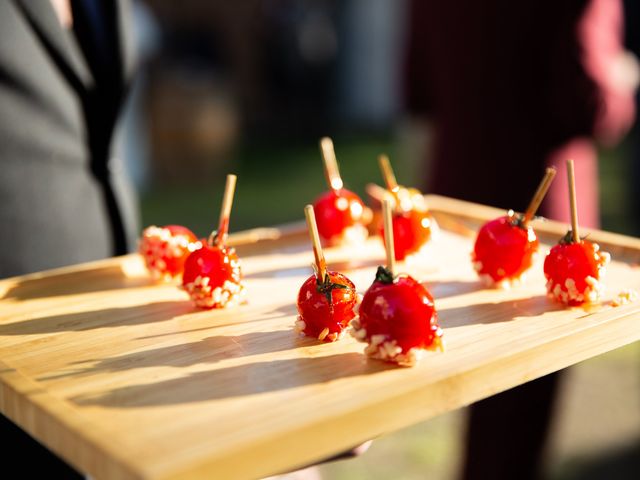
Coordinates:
<point>427,450</point>
<point>615,193</point>
<point>274,184</point>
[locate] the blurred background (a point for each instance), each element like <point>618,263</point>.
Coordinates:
<point>249,87</point>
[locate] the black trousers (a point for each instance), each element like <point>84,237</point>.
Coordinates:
<point>507,433</point>
<point>18,446</point>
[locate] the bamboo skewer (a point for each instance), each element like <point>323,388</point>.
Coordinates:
<point>321,264</point>
<point>219,237</point>
<point>387,174</point>
<point>331,171</point>
<point>539,195</point>
<point>265,234</point>
<point>387,209</point>
<point>376,192</point>
<point>572,199</point>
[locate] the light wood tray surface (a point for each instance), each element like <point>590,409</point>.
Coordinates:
<point>125,379</point>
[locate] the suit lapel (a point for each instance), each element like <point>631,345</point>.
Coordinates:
<point>42,18</point>
<point>124,33</point>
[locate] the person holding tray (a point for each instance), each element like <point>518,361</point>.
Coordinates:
<point>513,88</point>
<point>64,70</point>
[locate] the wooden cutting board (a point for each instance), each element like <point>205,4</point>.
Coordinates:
<point>125,379</point>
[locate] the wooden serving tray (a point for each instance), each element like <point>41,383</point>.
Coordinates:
<point>125,379</point>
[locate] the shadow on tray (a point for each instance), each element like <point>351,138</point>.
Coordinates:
<point>93,319</point>
<point>305,270</point>
<point>140,315</point>
<point>237,381</point>
<point>497,311</point>
<point>451,288</point>
<point>208,350</point>
<point>74,283</point>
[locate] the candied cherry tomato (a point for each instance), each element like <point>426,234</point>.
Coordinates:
<point>341,217</point>
<point>411,231</point>
<point>326,307</point>
<point>165,250</point>
<point>574,271</point>
<point>398,319</point>
<point>212,277</point>
<point>504,249</point>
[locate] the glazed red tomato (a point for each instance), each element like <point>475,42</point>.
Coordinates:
<point>212,277</point>
<point>165,250</point>
<point>326,308</point>
<point>396,316</point>
<point>341,217</point>
<point>411,231</point>
<point>504,249</point>
<point>574,270</point>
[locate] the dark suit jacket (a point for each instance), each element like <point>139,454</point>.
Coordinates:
<point>63,198</point>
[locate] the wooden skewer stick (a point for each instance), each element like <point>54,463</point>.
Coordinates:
<point>572,199</point>
<point>331,171</point>
<point>539,195</point>
<point>387,209</point>
<point>375,192</point>
<point>321,264</point>
<point>387,174</point>
<point>266,234</point>
<point>220,237</point>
